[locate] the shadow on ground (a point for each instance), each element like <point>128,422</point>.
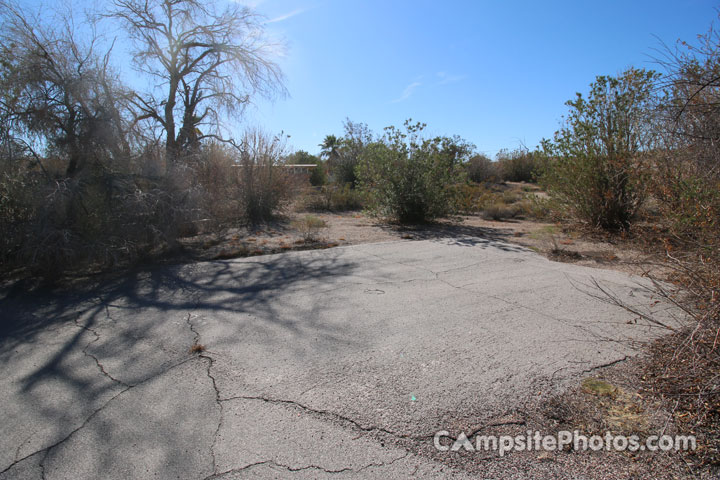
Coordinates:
<point>461,235</point>
<point>70,354</point>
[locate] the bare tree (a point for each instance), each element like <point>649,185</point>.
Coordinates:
<point>59,93</point>
<point>207,63</point>
<point>690,111</point>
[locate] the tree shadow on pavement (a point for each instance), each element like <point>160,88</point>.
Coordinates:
<point>460,234</point>
<point>70,353</point>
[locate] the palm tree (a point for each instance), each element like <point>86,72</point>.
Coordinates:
<point>331,148</point>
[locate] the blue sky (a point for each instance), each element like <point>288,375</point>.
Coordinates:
<point>497,73</point>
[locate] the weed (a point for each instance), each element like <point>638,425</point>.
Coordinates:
<point>499,212</point>
<point>601,388</point>
<point>309,227</point>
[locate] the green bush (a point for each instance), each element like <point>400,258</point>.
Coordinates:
<point>412,180</point>
<point>481,169</point>
<point>689,199</point>
<point>343,154</point>
<point>595,174</point>
<point>318,177</point>
<point>518,165</point>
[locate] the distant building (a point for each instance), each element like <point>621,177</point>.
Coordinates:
<point>300,168</point>
<point>293,168</point>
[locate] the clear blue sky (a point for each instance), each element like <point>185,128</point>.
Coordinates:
<point>496,73</point>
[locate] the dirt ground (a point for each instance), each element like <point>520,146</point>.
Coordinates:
<point>350,228</point>
<point>554,241</point>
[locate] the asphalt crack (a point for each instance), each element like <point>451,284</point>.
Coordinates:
<point>99,364</point>
<point>496,423</point>
<point>210,363</point>
<point>306,467</point>
<point>593,368</point>
<point>196,334</point>
<point>327,413</point>
<point>87,420</point>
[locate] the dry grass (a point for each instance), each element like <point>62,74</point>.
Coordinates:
<point>309,227</point>
<point>621,411</point>
<point>500,211</point>
<point>503,201</point>
<point>330,198</point>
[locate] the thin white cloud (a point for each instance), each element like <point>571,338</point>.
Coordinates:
<point>281,18</point>
<point>446,79</point>
<point>407,92</point>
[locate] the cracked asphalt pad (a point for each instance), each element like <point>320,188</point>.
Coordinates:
<point>339,362</point>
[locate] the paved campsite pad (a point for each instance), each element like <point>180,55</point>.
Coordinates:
<point>314,361</point>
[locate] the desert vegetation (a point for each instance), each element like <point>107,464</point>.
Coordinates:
<point>93,172</point>
<point>637,158</point>
<point>97,174</point>
<point>410,179</point>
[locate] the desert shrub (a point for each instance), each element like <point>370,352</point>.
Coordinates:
<point>217,176</point>
<point>518,165</point>
<point>536,207</point>
<point>318,177</point>
<point>690,201</point>
<point>344,198</point>
<point>685,368</point>
<point>412,180</point>
<point>596,175</point>
<point>239,185</point>
<point>333,198</point>
<point>264,188</point>
<point>309,227</point>
<point>500,211</point>
<point>686,177</point>
<point>99,220</point>
<point>596,191</point>
<point>481,169</point>
<point>340,198</point>
<point>102,218</point>
<point>472,197</point>
<point>494,203</point>
<point>510,196</point>
<point>357,137</point>
<point>18,188</point>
